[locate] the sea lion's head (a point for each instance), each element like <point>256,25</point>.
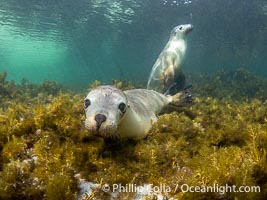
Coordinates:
<point>104,107</point>
<point>181,31</point>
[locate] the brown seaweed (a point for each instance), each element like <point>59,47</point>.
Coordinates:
<point>219,141</point>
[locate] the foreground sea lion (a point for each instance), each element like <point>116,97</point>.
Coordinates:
<point>112,113</point>
<point>167,69</point>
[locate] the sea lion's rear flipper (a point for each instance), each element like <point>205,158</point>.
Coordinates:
<point>183,98</point>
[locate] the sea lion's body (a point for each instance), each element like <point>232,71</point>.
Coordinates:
<point>112,113</point>
<point>167,69</point>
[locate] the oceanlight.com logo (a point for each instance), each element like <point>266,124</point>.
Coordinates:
<point>165,189</point>
<point>221,189</point>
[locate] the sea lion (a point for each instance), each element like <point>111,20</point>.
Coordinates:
<point>112,113</point>
<point>166,71</point>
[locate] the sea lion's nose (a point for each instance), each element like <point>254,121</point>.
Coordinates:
<point>100,118</point>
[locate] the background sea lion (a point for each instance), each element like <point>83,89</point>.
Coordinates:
<point>166,71</point>
<point>112,113</point>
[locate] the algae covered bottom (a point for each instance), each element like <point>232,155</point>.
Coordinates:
<point>221,140</point>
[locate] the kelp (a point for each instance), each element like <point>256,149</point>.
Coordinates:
<point>221,140</point>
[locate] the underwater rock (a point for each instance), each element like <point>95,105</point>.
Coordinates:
<point>85,188</point>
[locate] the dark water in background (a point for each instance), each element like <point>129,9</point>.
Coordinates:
<point>77,42</point>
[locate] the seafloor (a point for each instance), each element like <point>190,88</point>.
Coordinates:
<point>221,140</point>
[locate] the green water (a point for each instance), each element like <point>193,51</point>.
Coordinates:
<point>77,42</point>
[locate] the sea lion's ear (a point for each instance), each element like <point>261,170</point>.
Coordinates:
<point>173,32</point>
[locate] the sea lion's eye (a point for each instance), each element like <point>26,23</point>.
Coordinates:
<point>181,28</point>
<point>87,103</point>
<point>122,107</point>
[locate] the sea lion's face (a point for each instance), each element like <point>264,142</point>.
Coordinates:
<point>181,30</point>
<point>104,108</point>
